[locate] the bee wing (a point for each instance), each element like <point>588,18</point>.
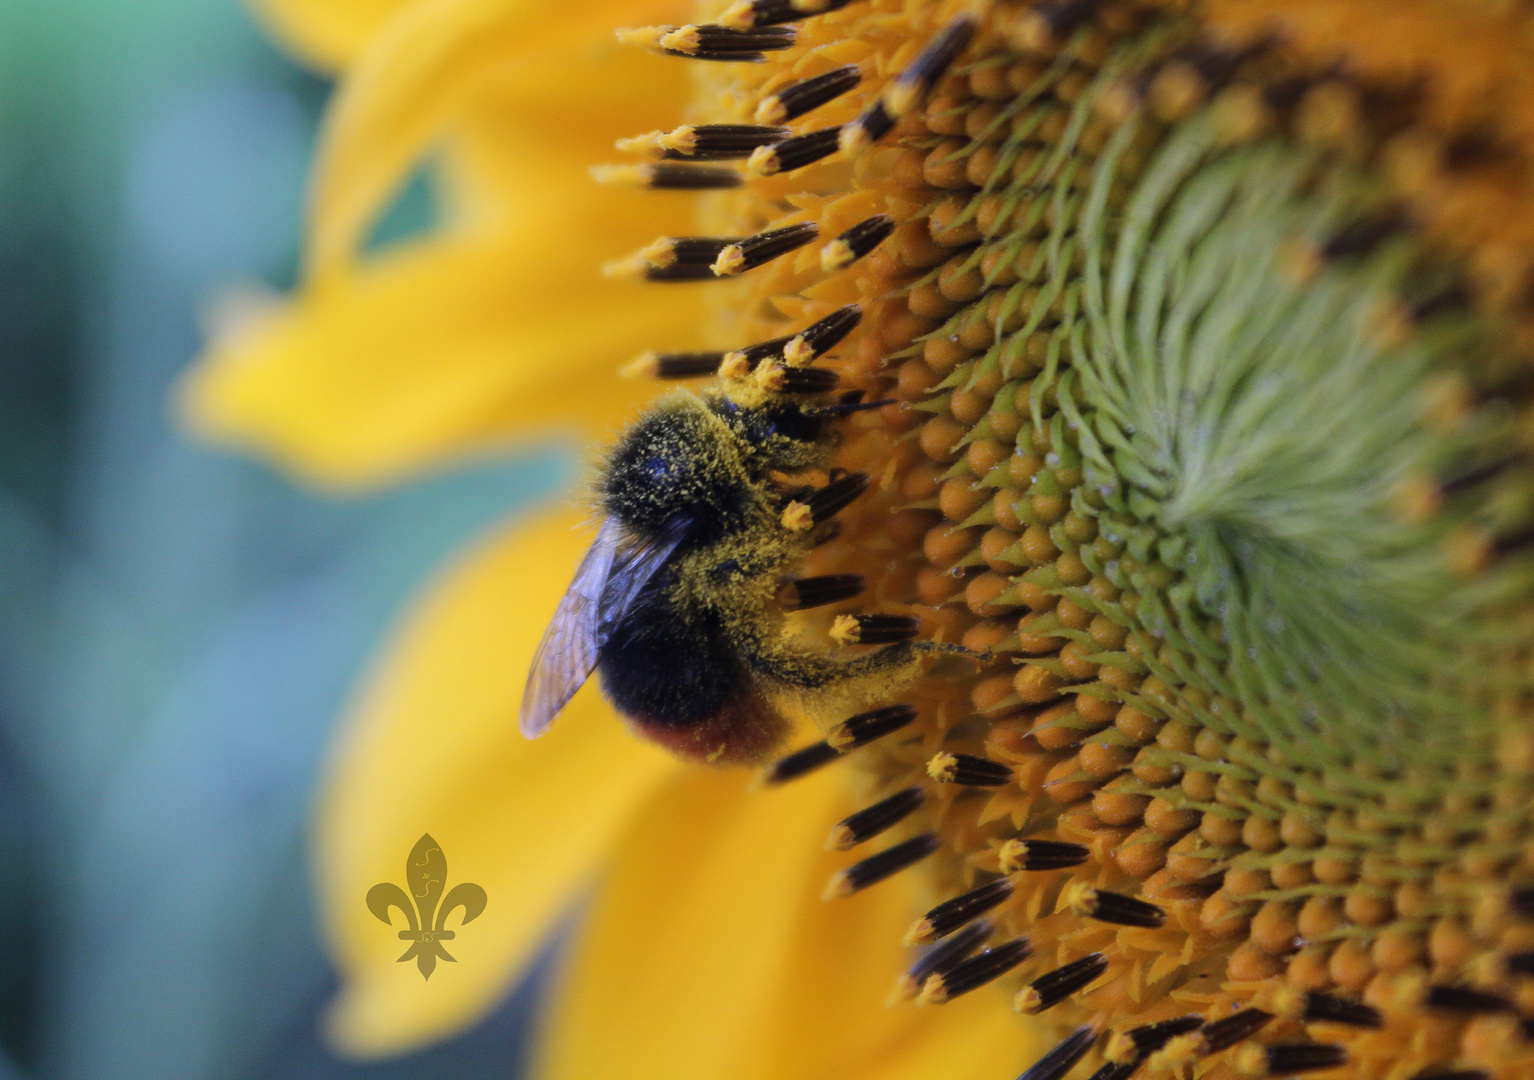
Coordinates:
<point>605,587</point>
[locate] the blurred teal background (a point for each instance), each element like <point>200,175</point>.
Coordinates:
<point>178,627</point>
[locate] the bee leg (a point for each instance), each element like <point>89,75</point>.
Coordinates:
<point>805,670</point>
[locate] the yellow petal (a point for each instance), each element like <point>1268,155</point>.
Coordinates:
<point>435,352</point>
<point>433,746</point>
<point>436,60</point>
<point>710,955</point>
<point>326,33</point>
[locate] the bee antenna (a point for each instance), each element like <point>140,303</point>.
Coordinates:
<point>849,407</point>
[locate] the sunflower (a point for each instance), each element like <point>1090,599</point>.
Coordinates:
<point>1187,346</point>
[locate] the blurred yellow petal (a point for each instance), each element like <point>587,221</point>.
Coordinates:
<point>433,746</point>
<point>326,33</point>
<point>363,381</point>
<point>432,62</point>
<point>710,955</point>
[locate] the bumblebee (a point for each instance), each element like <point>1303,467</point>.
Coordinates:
<point>681,602</point>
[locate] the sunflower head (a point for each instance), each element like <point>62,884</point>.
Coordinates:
<point>1191,368</point>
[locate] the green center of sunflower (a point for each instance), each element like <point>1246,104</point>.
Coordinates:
<point>1220,463</point>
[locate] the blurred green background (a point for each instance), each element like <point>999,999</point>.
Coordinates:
<point>178,627</point>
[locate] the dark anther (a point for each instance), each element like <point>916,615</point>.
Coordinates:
<point>1342,1011</point>
<point>876,868</point>
<point>1020,855</point>
<point>968,770</point>
<point>1112,907</point>
<point>1459,999</point>
<point>749,13</point>
<point>1522,902</point>
<point>795,153</point>
<point>781,379</point>
<point>874,629</point>
<point>1283,1059</point>
<point>819,338</point>
<point>1234,1028</point>
<point>856,242</point>
<point>911,86</point>
<point>952,914</point>
<point>1055,986</point>
<point>873,820</point>
<point>690,365</point>
<point>847,408</point>
<point>680,271</point>
<point>806,96</point>
<point>975,972</point>
<point>1521,963</point>
<point>719,142</point>
<point>1433,1072</point>
<point>1064,1056</point>
<point>665,176</point>
<point>943,956</point>
<point>871,125</point>
<point>865,727</point>
<point>1359,238</point>
<point>1050,21</point>
<point>799,763</point>
<point>826,502</point>
<point>814,592</point>
<point>762,248</point>
<point>723,43</point>
<point>1141,1042</point>
<point>1480,474</point>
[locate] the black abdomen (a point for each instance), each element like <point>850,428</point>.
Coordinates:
<point>666,669</point>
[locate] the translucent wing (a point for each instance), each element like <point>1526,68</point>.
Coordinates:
<point>608,582</point>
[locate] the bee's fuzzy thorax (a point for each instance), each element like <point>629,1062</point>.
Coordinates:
<point>1199,417</point>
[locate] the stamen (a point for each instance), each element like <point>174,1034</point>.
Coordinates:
<point>776,377</point>
<point>705,142</point>
<point>1461,1000</point>
<point>826,502</point>
<point>667,177</point>
<point>876,868</point>
<point>1055,986</point>
<point>1282,1059</point>
<point>1324,1007</point>
<point>749,13</point>
<point>874,629</point>
<point>802,97</point>
<point>952,914</point>
<point>1125,1047</point>
<point>691,365</point>
<point>1048,22</point>
<point>1064,1056</point>
<point>814,592</point>
<point>1221,1034</point>
<point>856,242</point>
<point>942,958</point>
<point>823,336</point>
<point>762,248</point>
<point>864,728</point>
<point>911,86</point>
<point>799,763</point>
<point>968,770</point>
<point>709,42</point>
<point>975,972</point>
<point>1112,907</point>
<point>674,258</point>
<point>1360,237</point>
<point>871,125</point>
<point>873,820</point>
<point>1019,855</point>
<point>795,153</point>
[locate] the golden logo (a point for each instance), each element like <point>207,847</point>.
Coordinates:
<point>425,875</point>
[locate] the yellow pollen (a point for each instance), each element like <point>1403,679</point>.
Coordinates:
<point>798,517</point>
